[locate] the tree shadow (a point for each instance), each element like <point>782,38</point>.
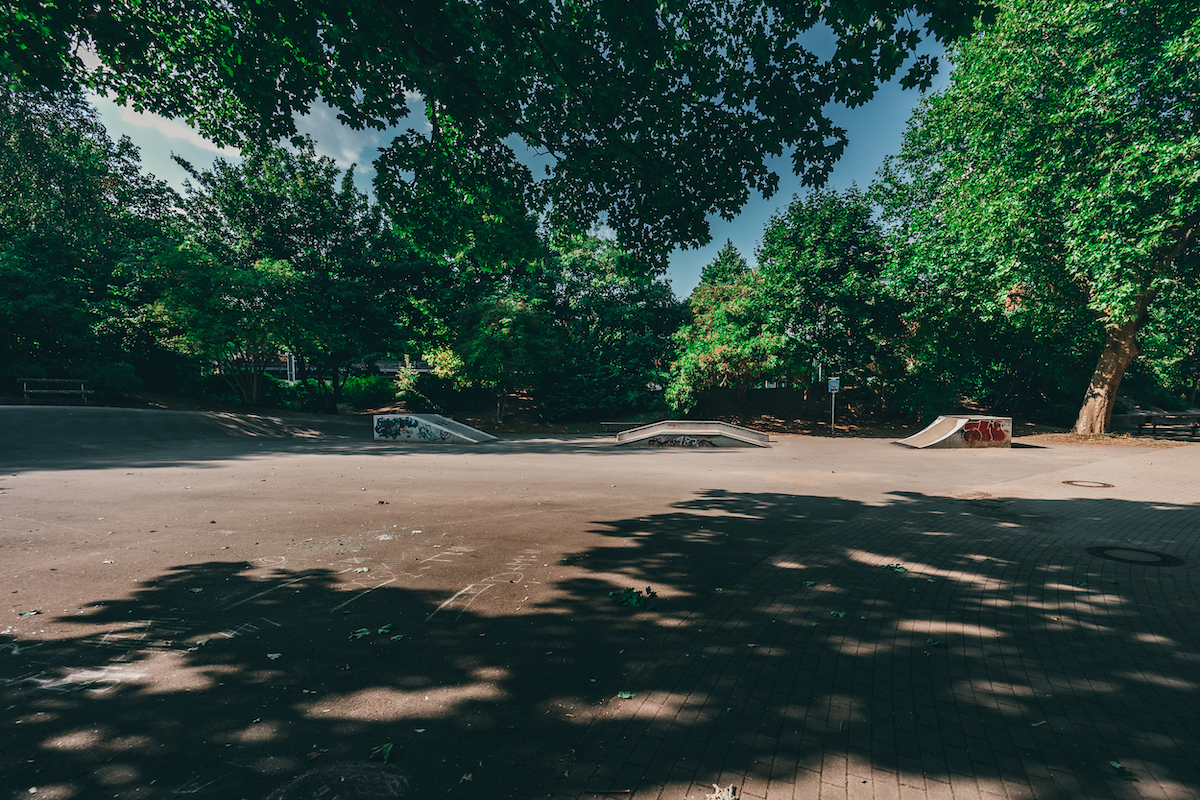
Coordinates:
<point>924,642</point>
<point>799,639</point>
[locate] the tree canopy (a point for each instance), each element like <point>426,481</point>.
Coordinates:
<point>813,306</point>
<point>75,212</point>
<point>288,237</point>
<point>819,266</point>
<point>653,114</point>
<point>1061,162</point>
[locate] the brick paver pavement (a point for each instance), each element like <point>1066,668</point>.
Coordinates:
<point>937,647</point>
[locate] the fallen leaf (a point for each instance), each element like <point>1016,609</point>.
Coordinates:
<point>1122,773</point>
<point>626,695</point>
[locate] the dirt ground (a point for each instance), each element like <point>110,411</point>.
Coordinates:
<point>223,605</point>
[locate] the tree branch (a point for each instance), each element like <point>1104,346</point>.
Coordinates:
<point>431,59</point>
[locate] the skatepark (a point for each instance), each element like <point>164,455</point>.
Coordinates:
<point>247,606</point>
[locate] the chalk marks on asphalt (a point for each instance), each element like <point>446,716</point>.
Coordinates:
<point>268,590</point>
<point>461,600</point>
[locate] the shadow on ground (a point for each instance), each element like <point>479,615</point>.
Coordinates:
<point>927,638</point>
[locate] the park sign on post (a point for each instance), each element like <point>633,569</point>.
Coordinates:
<point>835,385</point>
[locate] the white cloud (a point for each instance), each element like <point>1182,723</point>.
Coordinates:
<point>168,128</point>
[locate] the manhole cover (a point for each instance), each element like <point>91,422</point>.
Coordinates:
<point>1090,484</point>
<point>1131,555</point>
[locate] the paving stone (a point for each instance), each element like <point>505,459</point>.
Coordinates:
<point>816,706</point>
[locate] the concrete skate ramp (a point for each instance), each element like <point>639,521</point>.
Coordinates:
<point>31,428</point>
<point>955,430</point>
<point>426,428</point>
<point>691,434</point>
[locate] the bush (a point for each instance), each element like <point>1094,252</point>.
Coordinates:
<point>369,391</point>
<point>116,376</point>
<point>278,393</point>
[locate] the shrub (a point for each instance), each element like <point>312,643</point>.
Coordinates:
<point>116,376</point>
<point>369,391</point>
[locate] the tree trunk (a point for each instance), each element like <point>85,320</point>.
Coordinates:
<point>1120,348</point>
<point>1120,345</point>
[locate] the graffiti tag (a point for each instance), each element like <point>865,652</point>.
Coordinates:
<point>406,428</point>
<point>981,431</point>
<point>678,441</point>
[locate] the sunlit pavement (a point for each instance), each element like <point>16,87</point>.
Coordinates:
<point>236,607</point>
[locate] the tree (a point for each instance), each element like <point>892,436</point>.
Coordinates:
<point>729,341</point>
<point>467,199</point>
<point>224,313</point>
<point>654,114</point>
<point>1171,340</point>
<point>502,343</point>
<point>617,323</point>
<point>350,291</point>
<point>727,267</point>
<point>1061,161</point>
<point>820,266</point>
<point>76,215</point>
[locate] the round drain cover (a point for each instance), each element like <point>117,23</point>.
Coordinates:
<point>1090,484</point>
<point>1131,555</point>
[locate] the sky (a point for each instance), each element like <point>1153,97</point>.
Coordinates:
<point>874,130</point>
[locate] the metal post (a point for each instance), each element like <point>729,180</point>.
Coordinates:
<point>835,385</point>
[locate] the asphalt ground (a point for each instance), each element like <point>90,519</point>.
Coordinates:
<point>229,606</point>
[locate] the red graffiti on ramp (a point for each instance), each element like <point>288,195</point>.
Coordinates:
<point>983,430</point>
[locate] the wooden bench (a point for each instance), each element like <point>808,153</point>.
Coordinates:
<point>37,386</point>
<point>1152,419</point>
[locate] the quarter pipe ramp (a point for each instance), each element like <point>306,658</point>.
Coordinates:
<point>954,430</point>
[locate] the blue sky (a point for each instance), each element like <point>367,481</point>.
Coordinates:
<point>874,130</point>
